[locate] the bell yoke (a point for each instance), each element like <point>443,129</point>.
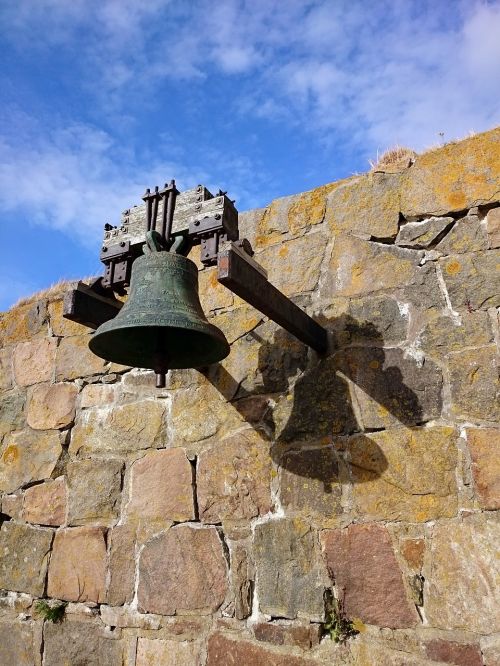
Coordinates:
<point>162,325</point>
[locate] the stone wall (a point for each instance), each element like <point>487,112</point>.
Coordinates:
<point>212,522</point>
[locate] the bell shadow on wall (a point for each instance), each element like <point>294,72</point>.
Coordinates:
<point>324,407</point>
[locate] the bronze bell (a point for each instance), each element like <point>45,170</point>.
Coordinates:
<point>162,324</point>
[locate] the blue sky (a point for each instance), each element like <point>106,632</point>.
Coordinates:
<point>262,98</point>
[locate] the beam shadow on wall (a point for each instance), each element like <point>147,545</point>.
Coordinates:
<point>349,393</point>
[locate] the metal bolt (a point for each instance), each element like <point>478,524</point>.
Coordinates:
<point>122,244</point>
<point>104,248</point>
<point>197,223</point>
<point>217,216</point>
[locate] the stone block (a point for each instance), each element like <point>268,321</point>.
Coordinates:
<point>360,267</point>
<point>493,227</point>
<point>468,235</point>
<point>367,204</point>
<point>17,644</point>
<point>125,617</point>
<point>474,384</point>
<point>131,427</point>
<point>183,570</point>
<point>362,564</point>
<point>461,580</point>
<point>94,489</point>
<point>234,479</point>
<point>404,474</point>
<point>78,643</point>
<point>472,279</point>
<point>51,406</point>
<point>59,325</point>
<point>229,650</point>
<point>46,503</point>
<point>445,334</point>
<point>97,395</point>
<point>77,569</point>
<point>24,552</point>
<point>420,235</point>
<point>23,322</point>
<point>242,579</point>
<point>490,648</point>
<point>213,295</point>
<point>453,178</point>
<point>459,654</point>
<point>319,405</point>
<point>168,652</point>
<point>391,388</point>
<point>11,411</point>
<point>74,359</point>
<point>33,361</point>
<point>121,564</point>
<point>376,320</point>
<point>294,266</point>
<point>6,370</point>
<point>484,445</point>
<point>161,488</point>
<point>28,456</point>
<point>309,208</point>
<point>271,223</point>
<point>310,486</point>
<point>303,636</point>
<point>12,506</point>
<point>413,551</point>
<point>291,576</point>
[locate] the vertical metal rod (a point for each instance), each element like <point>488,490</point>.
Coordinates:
<point>161,380</point>
<point>165,195</point>
<point>170,210</point>
<point>147,199</point>
<point>156,198</point>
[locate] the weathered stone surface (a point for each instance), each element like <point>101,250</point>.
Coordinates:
<point>33,361</point>
<point>461,583</point>
<point>24,552</point>
<point>97,395</point>
<point>46,503</point>
<point>17,646</point>
<point>61,326</point>
<point>484,445</point>
<point>369,652</point>
<point>461,654</point>
<point>234,479</point>
<point>308,209</point>
<point>229,650</point>
<point>12,506</point>
<point>474,384</point>
<point>413,551</point>
<point>11,411</point>
<point>51,406</point>
<point>320,405</point>
<point>183,569</point>
<point>310,486</point>
<point>6,371</point>
<point>77,569</point>
<point>468,235</point>
<point>74,359</point>
<point>391,388</point>
<point>161,488</point>
<point>121,564</point>
<point>420,235</point>
<point>242,579</point>
<point>28,456</point>
<point>362,563</point>
<point>76,643</point>
<point>493,227</point>
<point>167,652</point>
<point>94,491</point>
<point>404,474</point>
<point>473,279</point>
<point>23,323</point>
<point>304,636</point>
<point>290,573</point>
<point>453,178</point>
<point>367,205</point>
<point>213,295</point>
<point>445,334</point>
<point>360,267</point>
<point>131,427</point>
<point>490,648</point>
<point>124,616</point>
<point>238,322</point>
<point>377,320</point>
<point>271,224</point>
<point>294,268</point>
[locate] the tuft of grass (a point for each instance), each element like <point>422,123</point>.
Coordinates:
<point>50,612</point>
<point>337,625</point>
<point>396,156</point>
